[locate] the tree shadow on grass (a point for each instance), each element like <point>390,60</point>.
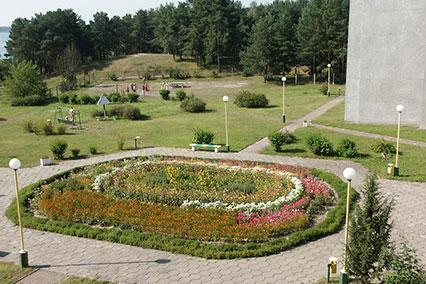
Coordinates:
<point>292,151</point>
<point>79,157</point>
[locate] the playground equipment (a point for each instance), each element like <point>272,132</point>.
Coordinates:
<point>103,101</point>
<point>72,118</point>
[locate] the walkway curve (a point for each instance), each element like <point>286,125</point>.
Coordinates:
<point>127,264</point>
<point>258,146</point>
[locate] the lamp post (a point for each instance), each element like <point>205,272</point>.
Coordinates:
<point>399,109</point>
<point>349,174</point>
<point>225,100</point>
<point>283,79</point>
<point>15,164</point>
<point>328,81</point>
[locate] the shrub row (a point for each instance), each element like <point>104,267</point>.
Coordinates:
<point>85,99</point>
<point>59,148</point>
<point>121,111</point>
<point>43,127</point>
<point>320,145</point>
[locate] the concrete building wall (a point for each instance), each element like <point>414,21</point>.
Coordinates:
<point>386,61</point>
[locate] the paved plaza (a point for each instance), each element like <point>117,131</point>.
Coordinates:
<point>69,255</point>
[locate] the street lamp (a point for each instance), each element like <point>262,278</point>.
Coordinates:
<point>136,141</point>
<point>349,174</point>
<point>283,79</point>
<point>328,82</point>
<point>15,164</point>
<point>225,100</point>
<point>399,109</point>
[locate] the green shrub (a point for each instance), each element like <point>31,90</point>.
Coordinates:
<point>86,99</point>
<point>28,126</point>
<point>114,97</point>
<point>69,82</point>
<point>58,149</point>
<point>73,99</point>
<point>324,90</point>
<point>41,127</point>
<point>93,150</point>
<point>277,140</point>
<point>24,85</point>
<point>193,104</point>
<point>404,267</point>
<point>133,98</point>
<point>347,148</point>
<point>319,145</point>
<point>177,73</point>
<point>383,148</point>
<point>121,140</point>
<point>61,129</point>
<point>251,100</point>
<point>200,136</point>
<point>125,111</point>
<point>123,99</point>
<point>180,95</point>
<point>29,101</point>
<point>165,94</point>
<point>112,76</point>
<point>64,98</point>
<point>75,152</point>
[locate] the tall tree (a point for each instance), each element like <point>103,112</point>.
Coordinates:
<point>369,233</point>
<point>102,35</point>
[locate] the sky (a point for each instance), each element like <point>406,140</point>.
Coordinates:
<point>11,9</point>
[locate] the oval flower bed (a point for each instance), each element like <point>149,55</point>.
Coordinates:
<point>207,208</point>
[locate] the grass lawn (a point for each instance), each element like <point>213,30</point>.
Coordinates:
<point>10,272</point>
<point>168,124</point>
<point>335,117</point>
<point>412,160</point>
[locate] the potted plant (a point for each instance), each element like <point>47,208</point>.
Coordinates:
<point>46,161</point>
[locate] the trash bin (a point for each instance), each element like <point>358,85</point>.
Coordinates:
<point>391,168</point>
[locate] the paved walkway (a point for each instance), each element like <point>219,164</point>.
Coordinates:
<point>125,264</point>
<point>369,135</point>
<point>295,124</point>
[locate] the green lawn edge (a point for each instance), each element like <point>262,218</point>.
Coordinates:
<point>331,224</point>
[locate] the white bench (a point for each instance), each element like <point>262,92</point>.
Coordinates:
<point>207,146</point>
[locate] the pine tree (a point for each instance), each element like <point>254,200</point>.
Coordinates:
<point>369,233</point>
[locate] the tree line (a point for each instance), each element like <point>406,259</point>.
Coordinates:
<point>259,39</point>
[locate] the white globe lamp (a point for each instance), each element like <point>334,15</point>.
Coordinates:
<point>349,173</point>
<point>225,99</point>
<point>14,164</point>
<point>400,108</point>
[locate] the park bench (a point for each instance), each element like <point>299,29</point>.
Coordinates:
<point>207,146</point>
<point>180,85</point>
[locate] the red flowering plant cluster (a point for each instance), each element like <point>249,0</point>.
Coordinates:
<point>149,195</point>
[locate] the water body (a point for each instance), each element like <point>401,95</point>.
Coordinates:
<point>4,36</point>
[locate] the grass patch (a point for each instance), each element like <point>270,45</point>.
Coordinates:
<point>168,126</point>
<point>10,272</point>
<point>335,118</point>
<point>412,160</point>
<point>330,224</point>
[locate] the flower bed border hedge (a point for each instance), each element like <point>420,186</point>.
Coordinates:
<point>331,223</point>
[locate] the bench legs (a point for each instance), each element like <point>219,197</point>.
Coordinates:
<point>193,149</point>
<point>216,150</point>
